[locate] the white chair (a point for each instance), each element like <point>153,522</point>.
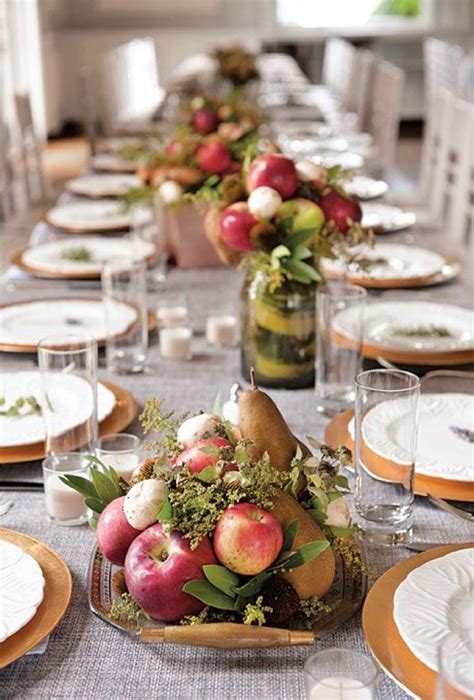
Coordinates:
<point>339,56</point>
<point>437,119</point>
<point>442,62</point>
<point>29,151</point>
<point>358,92</point>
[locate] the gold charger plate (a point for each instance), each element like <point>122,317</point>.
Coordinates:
<point>381,632</point>
<point>28,348</point>
<point>450,270</point>
<point>337,433</point>
<point>17,260</point>
<point>57,594</point>
<point>124,412</point>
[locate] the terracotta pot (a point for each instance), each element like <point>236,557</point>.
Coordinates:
<point>186,238</point>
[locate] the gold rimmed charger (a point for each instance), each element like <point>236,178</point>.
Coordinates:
<point>381,632</point>
<point>57,594</point>
<point>124,412</point>
<point>337,433</point>
<point>32,348</point>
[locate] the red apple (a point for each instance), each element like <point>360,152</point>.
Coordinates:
<point>174,149</point>
<point>157,566</point>
<point>236,224</point>
<point>205,121</point>
<point>273,170</point>
<point>214,157</point>
<point>195,459</point>
<point>247,539</point>
<point>114,534</point>
<point>340,209</point>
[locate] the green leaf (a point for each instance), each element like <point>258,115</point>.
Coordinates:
<point>342,482</point>
<point>217,405</point>
<point>289,535</point>
<point>333,495</point>
<point>221,578</point>
<point>341,531</point>
<point>79,483</point>
<point>207,475</point>
<point>104,486</point>
<point>307,552</point>
<point>93,523</point>
<point>301,236</point>
<point>254,585</point>
<point>95,504</point>
<point>301,252</point>
<point>281,251</point>
<point>166,512</point>
<point>212,450</point>
<point>313,442</point>
<point>208,594</point>
<point>302,271</point>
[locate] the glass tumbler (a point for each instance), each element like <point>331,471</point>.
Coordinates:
<point>148,225</point>
<point>124,294</point>
<point>386,427</point>
<point>340,674</point>
<point>64,505</point>
<point>68,369</point>
<point>121,452</point>
<point>172,310</point>
<point>338,361</point>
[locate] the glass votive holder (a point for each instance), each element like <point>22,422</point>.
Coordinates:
<point>121,452</point>
<point>64,506</point>
<point>222,330</point>
<point>175,343</point>
<point>340,674</point>
<point>172,310</point>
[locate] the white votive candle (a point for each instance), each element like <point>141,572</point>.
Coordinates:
<point>62,502</point>
<point>175,343</point>
<point>124,464</point>
<point>171,316</point>
<point>340,689</point>
<point>221,330</point>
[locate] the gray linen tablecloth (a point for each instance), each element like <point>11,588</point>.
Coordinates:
<point>86,658</point>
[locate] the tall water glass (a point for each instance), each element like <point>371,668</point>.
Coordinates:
<point>456,668</point>
<point>68,368</point>
<point>386,427</point>
<point>338,361</point>
<point>148,224</point>
<point>124,294</point>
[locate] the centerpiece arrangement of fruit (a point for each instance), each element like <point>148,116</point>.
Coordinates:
<point>225,524</point>
<point>292,215</point>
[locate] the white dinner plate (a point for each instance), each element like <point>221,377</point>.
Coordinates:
<point>346,160</point>
<point>102,185</point>
<point>54,256</point>
<point>69,395</point>
<point>445,443</point>
<point>26,324</point>
<point>384,218</point>
<point>112,163</point>
<point>21,588</point>
<point>302,129</point>
<point>385,261</point>
<point>425,603</point>
<point>304,147</point>
<point>418,326</point>
<point>364,187</point>
<point>103,215</point>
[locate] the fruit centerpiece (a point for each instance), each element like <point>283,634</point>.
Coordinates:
<point>292,215</point>
<point>224,524</point>
<point>236,64</point>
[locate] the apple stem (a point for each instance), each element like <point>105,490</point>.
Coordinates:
<point>253,382</point>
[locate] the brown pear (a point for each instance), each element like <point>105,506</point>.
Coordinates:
<point>315,577</point>
<point>261,421</point>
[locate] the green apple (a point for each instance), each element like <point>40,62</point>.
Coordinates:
<point>304,213</point>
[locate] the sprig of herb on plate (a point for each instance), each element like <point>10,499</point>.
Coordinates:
<point>23,406</point>
<point>421,331</point>
<point>77,253</point>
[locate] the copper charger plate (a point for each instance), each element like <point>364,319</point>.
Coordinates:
<point>77,229</point>
<point>124,412</point>
<point>450,270</point>
<point>28,348</point>
<point>381,632</point>
<point>41,272</point>
<point>57,594</point>
<point>337,433</point>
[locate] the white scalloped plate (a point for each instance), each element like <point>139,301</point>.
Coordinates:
<point>385,218</point>
<point>103,215</point>
<point>443,451</point>
<point>364,187</point>
<point>426,604</point>
<point>102,185</point>
<point>21,588</point>
<point>68,394</point>
<point>109,162</point>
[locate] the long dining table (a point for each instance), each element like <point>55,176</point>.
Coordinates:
<point>86,658</point>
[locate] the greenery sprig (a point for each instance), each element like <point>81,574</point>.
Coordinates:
<point>23,406</point>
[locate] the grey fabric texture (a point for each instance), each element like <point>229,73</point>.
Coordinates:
<point>86,658</point>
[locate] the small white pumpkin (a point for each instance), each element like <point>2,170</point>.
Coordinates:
<point>143,503</point>
<point>338,513</point>
<point>264,202</point>
<point>195,428</point>
<point>197,103</point>
<point>170,192</point>
<point>308,171</point>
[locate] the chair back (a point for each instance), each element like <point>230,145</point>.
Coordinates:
<point>384,112</point>
<point>339,56</point>
<point>442,63</point>
<point>359,88</point>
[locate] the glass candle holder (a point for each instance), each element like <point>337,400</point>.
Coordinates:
<point>456,668</point>
<point>64,506</point>
<point>172,310</point>
<point>121,452</point>
<point>386,428</point>
<point>175,343</point>
<point>340,674</point>
<point>222,330</point>
<point>68,368</point>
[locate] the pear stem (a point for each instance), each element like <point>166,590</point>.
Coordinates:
<point>253,383</point>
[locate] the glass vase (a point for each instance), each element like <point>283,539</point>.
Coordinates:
<point>278,333</point>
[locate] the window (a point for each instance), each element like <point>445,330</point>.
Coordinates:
<point>343,13</point>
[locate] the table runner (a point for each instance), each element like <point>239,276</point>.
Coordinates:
<point>85,657</point>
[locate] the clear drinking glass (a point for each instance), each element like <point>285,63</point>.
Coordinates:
<point>148,224</point>
<point>172,310</point>
<point>340,674</point>
<point>121,452</point>
<point>64,505</point>
<point>124,292</point>
<point>68,367</point>
<point>386,427</point>
<point>337,361</point>
<point>456,668</point>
